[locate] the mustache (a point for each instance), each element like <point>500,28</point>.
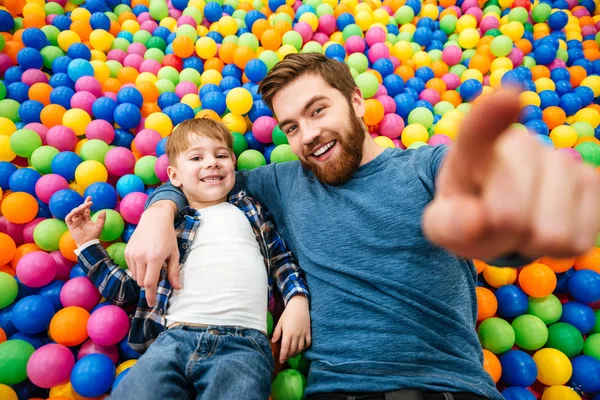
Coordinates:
<point>319,141</point>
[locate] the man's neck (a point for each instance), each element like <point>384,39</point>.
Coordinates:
<point>370,150</point>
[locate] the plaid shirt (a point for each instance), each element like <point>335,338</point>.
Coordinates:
<point>119,287</point>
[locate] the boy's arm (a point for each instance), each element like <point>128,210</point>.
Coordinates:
<point>115,284</point>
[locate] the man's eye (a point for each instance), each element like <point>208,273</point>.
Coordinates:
<point>318,111</point>
<point>291,129</point>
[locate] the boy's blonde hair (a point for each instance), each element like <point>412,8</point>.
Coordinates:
<point>179,141</point>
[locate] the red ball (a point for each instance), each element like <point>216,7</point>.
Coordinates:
<point>171,60</point>
<point>526,4</point>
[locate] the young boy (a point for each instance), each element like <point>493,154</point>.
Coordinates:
<point>206,340</point>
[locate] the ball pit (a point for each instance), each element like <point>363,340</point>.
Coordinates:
<point>89,91</point>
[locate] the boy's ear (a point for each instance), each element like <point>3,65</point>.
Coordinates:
<point>173,177</point>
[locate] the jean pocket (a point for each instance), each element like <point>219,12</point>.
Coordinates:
<point>263,347</point>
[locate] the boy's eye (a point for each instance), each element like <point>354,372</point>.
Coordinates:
<point>221,156</point>
<point>196,158</point>
<point>318,111</point>
<point>291,129</point>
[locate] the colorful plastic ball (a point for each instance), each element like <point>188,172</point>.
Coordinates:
<point>496,335</point>
<point>132,207</point>
<point>160,123</point>
<point>517,393</point>
<point>565,338</point>
<point>554,367</point>
<point>89,172</point>
<point>69,326</point>
<point>144,168</point>
<point>127,116</point>
<point>14,355</point>
<point>103,108</point>
<point>65,164</point>
<point>36,269</point>
<point>79,68</point>
<point>47,234</point>
<point>30,111</point>
<point>19,207</point>
<point>77,120</point>
<point>531,332</point>
<point>518,368</point>
<point>101,130</point>
<point>586,374</point>
<point>79,292</point>
<point>50,365</point>
<point>537,280</point>
<point>32,314</point>
<point>24,141</point>
<point>89,347</point>
<point>548,309</point>
<point>580,315</point>
<point>94,374</point>
<point>49,184</point>
<point>63,201</point>
<point>108,325</point>
<point>113,226</point>
<point>128,184</point>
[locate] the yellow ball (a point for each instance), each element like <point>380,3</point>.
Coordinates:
<point>214,27</point>
<point>364,20</point>
<point>7,393</point>
<point>381,16</point>
<point>499,276</point>
<point>530,98</point>
<point>421,59</point>
<point>337,37</point>
<point>159,122</point>
<point>130,26</point>
<point>447,126</point>
<point>402,50</point>
<point>206,48</point>
<point>239,101</point>
<point>560,393</point>
<point>311,19</point>
<point>514,30</point>
<point>97,55</point>
<point>80,14</point>
<point>554,367</point>
<point>90,171</point>
<point>125,365</point>
<point>467,21</point>
<point>505,3</point>
<point>7,127</point>
<point>593,82</point>
<point>191,100</point>
<point>408,28</point>
<point>501,63</point>
<point>33,9</point>
<point>66,39</point>
<point>202,30</point>
<point>285,50</point>
<point>496,78</point>
<point>77,187</point>
<point>574,36</point>
<point>77,120</point>
<point>468,38</point>
<point>544,84</point>
<point>430,11</point>
<point>385,142</point>
<point>146,77</point>
<point>211,76</point>
<point>563,136</point>
<point>169,23</point>
<point>227,26</point>
<point>589,115</point>
<point>362,7</point>
<point>414,133</point>
<point>6,153</point>
<point>235,123</point>
<point>471,74</point>
<point>101,40</point>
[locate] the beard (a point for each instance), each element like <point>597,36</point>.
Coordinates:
<point>337,171</point>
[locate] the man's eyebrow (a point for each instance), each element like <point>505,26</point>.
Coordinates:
<point>308,104</point>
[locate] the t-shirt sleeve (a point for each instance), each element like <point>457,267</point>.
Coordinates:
<point>168,192</point>
<point>427,161</point>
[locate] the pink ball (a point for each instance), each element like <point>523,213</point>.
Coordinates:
<point>36,269</point>
<point>375,35</point>
<point>61,137</point>
<point>398,143</point>
<point>186,20</point>
<point>381,91</point>
<point>468,4</point>
<point>39,129</point>
<point>32,76</point>
<point>557,63</point>
<point>588,30</point>
<point>89,84</point>
<point>132,207</point>
<point>29,228</point>
<point>49,184</point>
<point>119,161</point>
<point>572,3</point>
<point>90,347</point>
<point>457,10</point>
<point>174,13</point>
<point>451,80</point>
<point>389,105</point>
<point>110,95</point>
<point>100,129</point>
<point>572,153</point>
<point>136,48</point>
<point>61,2</point>
<point>146,140</point>
<point>395,61</point>
<point>150,65</point>
<point>15,231</point>
<point>373,134</point>
<point>5,63</point>
<point>388,9</point>
<point>50,18</point>
<point>476,12</point>
<point>435,140</point>
<point>486,80</point>
<point>79,292</point>
<point>304,29</point>
<point>143,17</point>
<point>108,325</point>
<point>116,55</point>
<point>184,88</point>
<point>516,56</point>
<point>84,101</point>
<point>582,12</point>
<point>63,266</point>
<point>320,38</point>
<point>391,126</point>
<point>452,55</point>
<point>50,365</point>
<point>488,23</point>
<point>327,24</point>
<point>133,60</point>
<point>377,51</point>
<point>149,26</point>
<point>355,44</point>
<point>262,129</point>
<point>430,95</point>
<point>160,168</point>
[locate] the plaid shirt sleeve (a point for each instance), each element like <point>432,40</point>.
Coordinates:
<point>115,284</point>
<point>284,268</point>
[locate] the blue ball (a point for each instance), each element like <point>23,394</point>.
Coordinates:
<point>7,23</point>
<point>99,20</point>
<point>61,64</point>
<point>62,95</point>
<point>13,74</point>
<point>65,163</point>
<point>180,112</point>
<point>167,99</point>
<point>33,314</point>
<point>104,196</point>
<point>518,368</point>
<point>43,210</point>
<point>209,87</point>
<point>422,36</point>
<point>517,393</point>
<point>470,89</point>
<point>232,70</point>
<point>62,202</point>
<point>393,84</point>
<point>127,232</point>
<point>126,351</point>
<point>214,101</point>
<point>229,82</point>
<point>52,292</point>
<point>78,68</point>
<point>140,8</point>
<point>194,63</point>
<point>544,55</point>
<point>512,79</point>
<point>512,301</point>
<point>130,95</point>
<point>128,184</point>
<point>304,9</point>
<point>213,11</point>
<point>125,35</point>
<point>123,138</point>
<point>24,180</point>
<point>180,4</point>
<point>393,29</point>
<point>253,143</point>
<point>62,22</point>
<point>94,6</point>
<point>584,286</point>
<point>560,74</point>
<point>127,116</point>
<point>384,66</point>
<point>119,378</point>
<point>61,79</point>
<point>93,375</point>
<point>404,104</point>
<point>570,103</point>
<point>259,109</point>
<point>256,69</point>
<point>586,64</point>
<point>34,38</point>
<point>6,170</point>
<point>529,113</point>
<point>416,83</point>
<point>586,374</point>
<point>17,91</point>
<point>335,50</point>
<point>36,341</point>
<point>415,5</point>
<point>30,111</point>
<point>558,20</point>
<point>344,20</point>
<point>6,320</point>
<point>79,50</point>
<point>425,73</point>
<point>563,87</point>
<point>104,108</point>
<point>275,4</point>
<point>268,152</point>
<point>580,315</point>
<point>562,281</point>
<point>24,290</point>
<point>548,98</point>
<point>538,126</point>
<point>77,272</point>
<point>161,147</point>
<point>585,94</point>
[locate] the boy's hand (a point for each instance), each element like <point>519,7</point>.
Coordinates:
<point>81,226</point>
<point>294,327</point>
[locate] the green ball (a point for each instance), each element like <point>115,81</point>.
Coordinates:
<point>541,12</point>
<point>358,61</point>
<point>442,107</point>
<point>435,55</point>
<point>144,169</point>
<point>237,14</point>
<point>464,108</point>
<point>501,46</point>
<point>565,338</point>
<point>120,44</point>
<point>2,88</point>
<point>156,42</point>
<point>448,24</point>
<point>324,9</point>
<point>405,15</point>
<point>312,47</point>
<point>143,36</point>
<point>292,38</point>
<point>194,13</point>
<point>230,39</point>
<point>590,152</point>
<point>41,159</point>
<point>251,159</point>
<point>112,16</point>
<point>493,32</point>
<point>417,144</point>
<point>518,14</point>
<point>529,62</point>
<point>47,234</point>
<point>18,24</point>
<point>164,86</point>
<point>9,108</point>
<point>283,17</point>
<point>496,335</point>
<point>270,324</point>
<point>283,153</point>
<point>114,67</point>
<point>185,30</point>
<point>94,149</point>
<point>154,54</point>
<point>8,289</point>
<point>169,73</point>
<point>597,326</point>
<point>50,53</point>
<point>299,363</point>
<point>278,136</point>
<point>531,332</point>
<point>158,10</point>
<point>422,116</point>
<point>548,309</point>
<point>121,8</point>
<point>415,47</point>
<point>2,43</point>
<point>528,27</point>
<point>270,58</point>
<point>24,141</point>
<point>405,36</point>
<point>190,75</point>
<point>51,33</point>
<point>352,30</point>
<point>368,84</point>
<point>250,40</point>
<point>458,69</point>
<point>583,129</point>
<point>492,9</point>
<point>113,227</point>
<point>289,384</point>
<point>240,144</point>
<point>591,347</point>
<point>562,54</point>
<point>53,8</point>
<point>393,39</point>
<point>116,251</point>
<point>14,355</point>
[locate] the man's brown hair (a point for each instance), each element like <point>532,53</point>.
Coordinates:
<point>179,141</point>
<point>335,73</point>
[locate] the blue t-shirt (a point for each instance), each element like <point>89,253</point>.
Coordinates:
<point>389,309</point>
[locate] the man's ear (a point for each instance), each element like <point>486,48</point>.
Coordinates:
<point>358,103</point>
<point>173,176</point>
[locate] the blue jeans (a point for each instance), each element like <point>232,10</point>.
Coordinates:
<point>214,363</point>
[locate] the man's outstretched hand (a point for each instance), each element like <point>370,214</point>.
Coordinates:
<point>501,191</point>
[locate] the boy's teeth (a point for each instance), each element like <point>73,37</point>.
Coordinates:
<point>212,179</point>
<point>323,149</point>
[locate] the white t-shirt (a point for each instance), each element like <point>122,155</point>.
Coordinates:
<point>224,278</point>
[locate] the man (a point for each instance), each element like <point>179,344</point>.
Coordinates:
<point>383,234</point>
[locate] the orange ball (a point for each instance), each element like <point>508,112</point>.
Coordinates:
<point>260,27</point>
<point>271,40</point>
<point>524,45</point>
<point>487,304</point>
<point>8,269</point>
<point>558,265</point>
<point>374,112</point>
<point>115,28</point>
<point>539,71</point>
<point>578,74</point>
<point>282,27</point>
<point>23,250</point>
<point>34,21</point>
<point>112,85</point>
<point>286,10</point>
<point>214,63</point>
<point>479,266</point>
<point>18,36</point>
<point>439,68</point>
<point>208,114</point>
<point>82,28</point>
<point>183,46</point>
<point>149,91</point>
<point>12,48</point>
<point>590,260</point>
<point>41,92</point>
<point>591,54</point>
<point>127,75</point>
<point>19,207</point>
<point>15,7</point>
<point>405,72</point>
<point>67,246</point>
<point>453,97</point>
<point>341,9</point>
<point>52,115</point>
<point>554,116</point>
<point>8,248</point>
<point>2,335</point>
<point>537,280</point>
<point>149,108</point>
<point>242,55</point>
<point>125,16</point>
<point>481,63</point>
<point>69,326</point>
<point>491,364</point>
<point>437,84</point>
<point>226,52</point>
